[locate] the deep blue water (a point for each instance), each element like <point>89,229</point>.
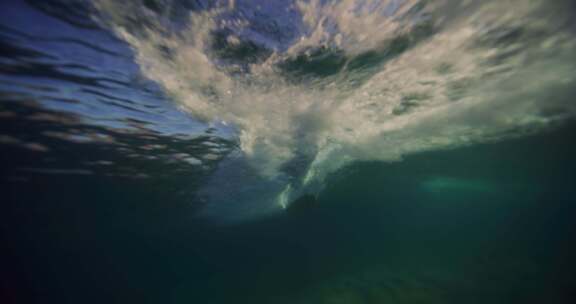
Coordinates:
<point>120,185</point>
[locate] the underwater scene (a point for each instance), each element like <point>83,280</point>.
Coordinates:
<point>288,151</point>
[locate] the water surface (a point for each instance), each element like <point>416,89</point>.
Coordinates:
<point>287,151</point>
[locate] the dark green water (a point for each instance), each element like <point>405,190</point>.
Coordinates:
<point>145,146</point>
<point>491,223</point>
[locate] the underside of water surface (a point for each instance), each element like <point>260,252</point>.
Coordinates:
<point>288,151</point>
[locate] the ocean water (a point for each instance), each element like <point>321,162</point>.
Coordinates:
<point>290,151</point>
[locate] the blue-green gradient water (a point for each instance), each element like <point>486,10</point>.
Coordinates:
<point>290,152</point>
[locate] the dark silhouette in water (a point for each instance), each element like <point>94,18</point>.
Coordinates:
<point>303,203</point>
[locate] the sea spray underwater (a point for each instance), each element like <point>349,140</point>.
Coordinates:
<point>287,151</point>
<point>312,86</point>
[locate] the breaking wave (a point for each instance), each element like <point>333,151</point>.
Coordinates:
<point>312,86</point>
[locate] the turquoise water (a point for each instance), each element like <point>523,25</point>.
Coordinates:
<point>287,152</point>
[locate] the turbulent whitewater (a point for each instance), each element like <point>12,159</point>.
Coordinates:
<point>312,86</point>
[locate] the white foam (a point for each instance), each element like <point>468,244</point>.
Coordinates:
<point>458,87</point>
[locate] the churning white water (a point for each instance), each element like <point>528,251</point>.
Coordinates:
<point>311,86</point>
